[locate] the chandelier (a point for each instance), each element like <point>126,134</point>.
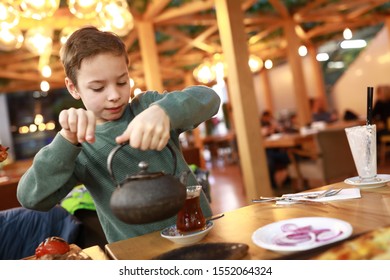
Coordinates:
<point>215,69</point>
<point>31,17</point>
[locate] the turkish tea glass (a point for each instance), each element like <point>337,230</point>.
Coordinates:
<point>190,217</point>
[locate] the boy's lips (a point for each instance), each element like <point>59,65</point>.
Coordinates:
<point>114,109</point>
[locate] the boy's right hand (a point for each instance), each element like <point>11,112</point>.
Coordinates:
<point>78,125</point>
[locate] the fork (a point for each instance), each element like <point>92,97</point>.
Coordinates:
<point>327,193</point>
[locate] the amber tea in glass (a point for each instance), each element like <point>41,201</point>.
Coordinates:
<point>190,217</point>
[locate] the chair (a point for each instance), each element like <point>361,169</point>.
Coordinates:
<point>22,230</point>
<point>329,162</point>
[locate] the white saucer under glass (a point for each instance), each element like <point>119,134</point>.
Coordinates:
<point>379,180</point>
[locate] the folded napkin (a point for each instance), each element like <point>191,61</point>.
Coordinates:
<point>343,194</point>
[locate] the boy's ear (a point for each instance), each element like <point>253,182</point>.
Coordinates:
<point>72,88</point>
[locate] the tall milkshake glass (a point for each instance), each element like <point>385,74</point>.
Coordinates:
<point>362,141</point>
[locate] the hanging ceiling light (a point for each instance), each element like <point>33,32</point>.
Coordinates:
<point>38,39</point>
<point>216,68</point>
<point>302,51</point>
<point>39,9</point>
<point>117,18</point>
<point>255,63</point>
<point>10,39</point>
<point>9,16</point>
<point>85,9</point>
<point>204,73</point>
<point>268,64</point>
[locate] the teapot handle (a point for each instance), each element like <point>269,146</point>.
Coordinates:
<point>119,146</point>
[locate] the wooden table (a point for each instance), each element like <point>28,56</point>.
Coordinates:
<point>215,142</point>
<point>367,213</point>
<point>287,140</point>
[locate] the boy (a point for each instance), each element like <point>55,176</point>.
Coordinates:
<point>96,68</point>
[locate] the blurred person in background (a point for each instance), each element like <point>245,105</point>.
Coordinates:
<point>277,158</point>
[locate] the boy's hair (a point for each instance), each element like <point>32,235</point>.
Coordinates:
<point>88,42</point>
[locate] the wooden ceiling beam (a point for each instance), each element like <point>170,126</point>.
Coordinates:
<point>261,35</point>
<point>154,8</point>
<point>311,6</point>
<point>247,4</point>
<point>261,19</point>
<point>16,57</point>
<point>131,38</point>
<point>280,8</point>
<point>365,8</point>
<point>196,20</point>
<point>332,27</point>
<point>185,9</point>
<point>197,42</point>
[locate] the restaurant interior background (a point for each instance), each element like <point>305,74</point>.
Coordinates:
<point>186,36</point>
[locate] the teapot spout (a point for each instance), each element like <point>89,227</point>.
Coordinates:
<point>184,177</point>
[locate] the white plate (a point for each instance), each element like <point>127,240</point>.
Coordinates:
<point>275,236</point>
<point>380,181</point>
<point>172,234</point>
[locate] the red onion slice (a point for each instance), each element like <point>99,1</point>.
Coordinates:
<point>293,235</point>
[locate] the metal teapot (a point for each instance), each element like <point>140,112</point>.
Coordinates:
<point>146,197</point>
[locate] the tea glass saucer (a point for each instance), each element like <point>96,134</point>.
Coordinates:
<point>171,233</point>
<point>379,181</point>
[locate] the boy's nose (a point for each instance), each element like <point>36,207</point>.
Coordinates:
<point>113,94</point>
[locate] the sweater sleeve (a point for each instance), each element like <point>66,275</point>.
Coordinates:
<point>51,177</point>
<point>190,107</point>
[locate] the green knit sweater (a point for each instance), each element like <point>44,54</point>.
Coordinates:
<point>60,166</point>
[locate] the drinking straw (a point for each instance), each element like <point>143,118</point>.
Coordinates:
<point>370,91</point>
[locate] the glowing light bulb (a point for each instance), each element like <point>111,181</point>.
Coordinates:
<point>45,86</point>
<point>268,64</point>
<point>46,71</point>
<point>85,8</point>
<point>39,9</point>
<point>302,51</point>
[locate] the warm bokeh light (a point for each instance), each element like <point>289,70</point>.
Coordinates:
<point>10,39</point>
<point>38,39</point>
<point>42,127</point>
<point>39,9</point>
<point>50,125</point>
<point>33,128</point>
<point>45,86</point>
<point>322,57</point>
<point>204,73</point>
<point>116,17</point>
<point>268,64</point>
<point>137,91</point>
<point>132,83</point>
<point>24,129</point>
<point>38,119</point>
<point>302,51</point>
<point>46,71</point>
<point>9,17</point>
<point>347,34</point>
<point>85,8</point>
<point>353,44</point>
<point>255,63</point>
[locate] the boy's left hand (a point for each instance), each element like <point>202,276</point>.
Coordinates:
<point>147,131</point>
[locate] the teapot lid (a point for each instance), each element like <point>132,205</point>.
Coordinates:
<point>144,174</point>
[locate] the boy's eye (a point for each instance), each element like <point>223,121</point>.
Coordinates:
<point>97,89</point>
<point>122,83</point>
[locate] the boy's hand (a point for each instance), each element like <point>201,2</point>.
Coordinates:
<point>78,125</point>
<point>147,131</point>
